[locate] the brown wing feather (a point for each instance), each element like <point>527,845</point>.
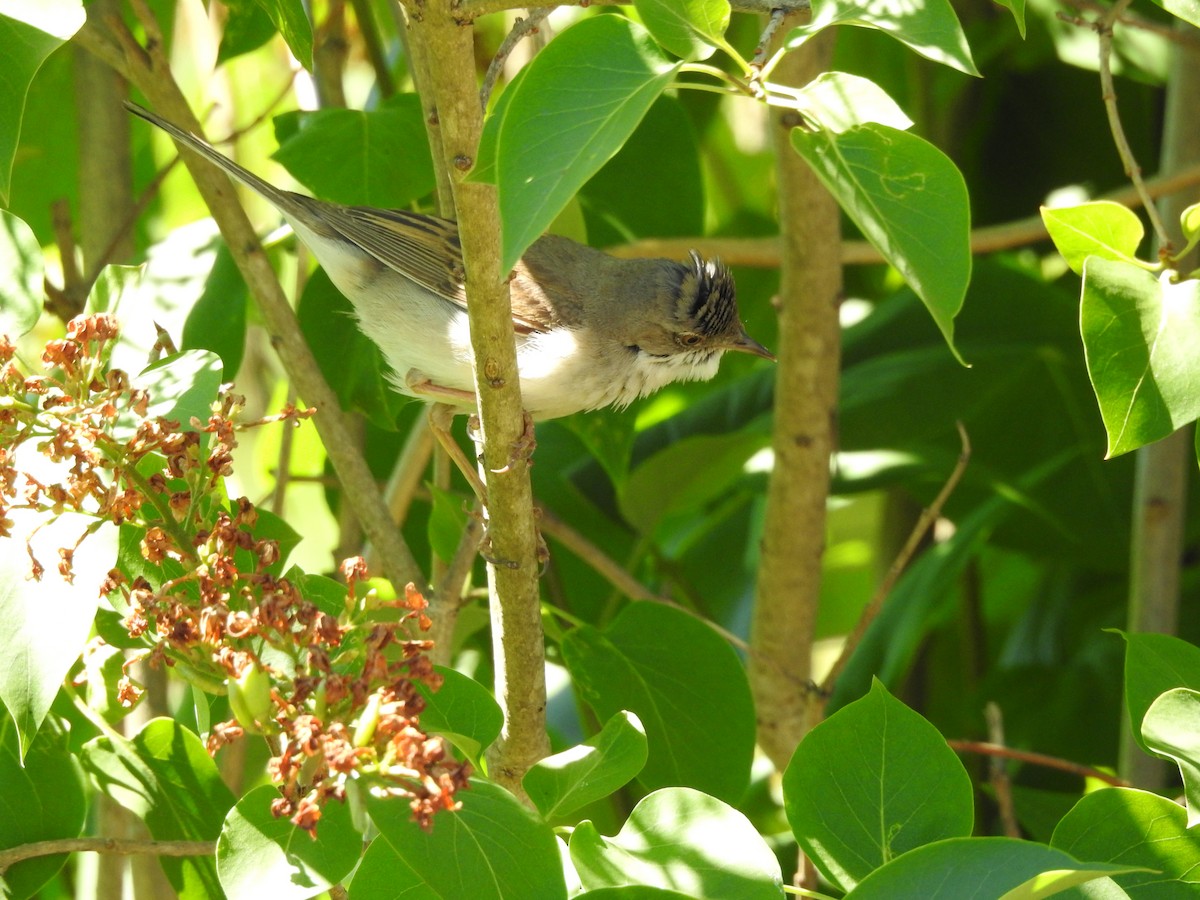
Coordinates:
<point>419,248</point>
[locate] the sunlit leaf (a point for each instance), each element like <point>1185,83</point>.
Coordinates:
<point>1171,729</point>
<point>838,101</point>
<point>691,29</point>
<point>1140,334</point>
<point>1100,228</point>
<point>21,275</point>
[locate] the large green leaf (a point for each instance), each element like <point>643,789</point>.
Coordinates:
<point>376,157</point>
<point>908,199</point>
<point>930,28</point>
<point>1101,228</point>
<point>691,29</point>
<point>1171,729</point>
<point>384,875</point>
<point>21,275</point>
<point>1188,10</point>
<point>165,775</point>
<point>30,30</point>
<point>590,771</point>
<point>1134,828</point>
<point>870,783</point>
<point>260,855</point>
<point>491,848</point>
<point>1004,868</point>
<point>577,103</point>
<point>672,671</point>
<point>46,620</point>
<point>42,800</point>
<point>838,101</point>
<point>1155,664</point>
<point>680,839</point>
<point>1140,334</point>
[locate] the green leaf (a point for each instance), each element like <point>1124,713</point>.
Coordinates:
<point>43,799</point>
<point>580,99</point>
<point>376,157</point>
<point>22,271</point>
<point>686,475</point>
<point>30,30</point>
<point>681,839</point>
<point>870,783</point>
<point>384,875</point>
<point>165,776</point>
<point>1155,664</point>
<point>691,29</point>
<point>931,29</point>
<point>1171,729</point>
<point>46,621</point>
<point>909,200</point>
<point>836,101</point>
<point>183,386</point>
<point>608,434</point>
<point>463,711</point>
<point>590,771</point>
<point>447,521</point>
<point>1017,8</point>
<point>1188,10</point>
<point>247,27</point>
<point>260,855</point>
<point>1189,223</point>
<point>672,671</point>
<point>217,320</point>
<point>1101,228</point>
<point>1005,868</point>
<point>1140,334</point>
<point>292,22</point>
<point>1134,828</point>
<point>493,847</point>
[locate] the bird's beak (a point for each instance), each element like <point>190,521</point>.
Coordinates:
<point>747,344</point>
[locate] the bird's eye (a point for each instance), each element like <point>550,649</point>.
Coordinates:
<point>691,339</point>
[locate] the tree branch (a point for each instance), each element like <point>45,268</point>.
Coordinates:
<point>113,846</point>
<point>512,542</point>
<point>148,69</point>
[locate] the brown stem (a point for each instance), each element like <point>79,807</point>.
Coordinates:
<point>469,10</point>
<point>789,575</point>
<point>521,29</point>
<point>512,540</point>
<point>1037,759</point>
<point>114,846</point>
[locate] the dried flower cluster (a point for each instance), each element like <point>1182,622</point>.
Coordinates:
<point>329,678</point>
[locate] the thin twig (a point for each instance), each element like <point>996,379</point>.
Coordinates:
<point>603,564</point>
<point>521,29</point>
<point>924,523</point>
<point>1104,29</point>
<point>368,27</point>
<point>467,11</point>
<point>763,50</point>
<point>113,846</point>
<point>1037,759</point>
<point>1187,37</point>
<point>1001,783</point>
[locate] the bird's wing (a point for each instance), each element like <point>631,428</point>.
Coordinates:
<point>427,250</point>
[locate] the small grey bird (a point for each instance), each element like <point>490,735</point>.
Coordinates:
<point>591,330</point>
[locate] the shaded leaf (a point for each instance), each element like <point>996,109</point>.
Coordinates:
<point>463,711</point>
<point>1155,664</point>
<point>672,672</point>
<point>870,783</point>
<point>21,275</point>
<point>292,22</point>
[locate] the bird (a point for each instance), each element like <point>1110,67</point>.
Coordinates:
<point>591,330</point>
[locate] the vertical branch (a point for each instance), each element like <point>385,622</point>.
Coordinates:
<point>511,545</point>
<point>789,577</point>
<point>1160,480</point>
